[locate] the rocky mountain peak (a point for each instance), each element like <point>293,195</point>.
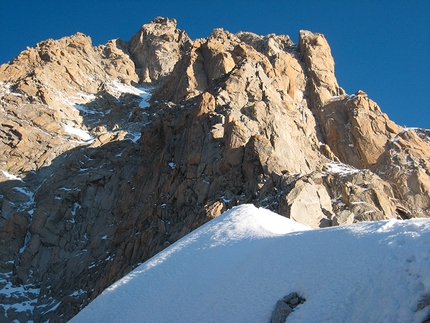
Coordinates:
<point>113,152</point>
<point>156,48</point>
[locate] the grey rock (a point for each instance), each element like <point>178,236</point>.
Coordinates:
<point>285,306</point>
<point>281,312</point>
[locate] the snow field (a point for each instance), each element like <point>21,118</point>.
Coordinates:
<point>236,267</point>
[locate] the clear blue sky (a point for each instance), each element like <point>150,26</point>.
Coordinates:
<point>381,47</point>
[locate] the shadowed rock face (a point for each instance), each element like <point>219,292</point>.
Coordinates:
<point>233,119</point>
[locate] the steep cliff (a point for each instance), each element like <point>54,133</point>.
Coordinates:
<point>97,177</point>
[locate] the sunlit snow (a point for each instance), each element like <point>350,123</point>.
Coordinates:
<point>5,87</point>
<point>84,135</point>
<point>340,168</point>
<point>117,88</point>
<point>236,267</point>
<point>10,176</point>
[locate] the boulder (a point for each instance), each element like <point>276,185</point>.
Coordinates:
<point>285,307</point>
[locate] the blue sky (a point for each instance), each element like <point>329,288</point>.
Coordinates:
<point>381,47</point>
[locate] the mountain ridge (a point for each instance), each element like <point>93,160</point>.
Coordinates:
<point>232,119</point>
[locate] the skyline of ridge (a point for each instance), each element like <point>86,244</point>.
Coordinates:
<point>381,48</point>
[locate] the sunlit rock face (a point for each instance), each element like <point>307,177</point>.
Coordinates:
<point>110,153</point>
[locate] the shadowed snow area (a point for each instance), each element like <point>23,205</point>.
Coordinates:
<point>236,267</point>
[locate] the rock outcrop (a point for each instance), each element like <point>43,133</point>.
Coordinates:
<point>156,48</point>
<point>95,180</point>
<point>285,307</point>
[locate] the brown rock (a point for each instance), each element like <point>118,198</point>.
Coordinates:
<point>317,56</point>
<point>156,48</point>
<point>308,203</point>
<point>406,164</point>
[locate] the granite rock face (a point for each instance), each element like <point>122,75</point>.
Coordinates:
<point>96,177</point>
<point>156,48</point>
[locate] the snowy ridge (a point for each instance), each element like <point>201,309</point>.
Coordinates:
<point>236,267</point>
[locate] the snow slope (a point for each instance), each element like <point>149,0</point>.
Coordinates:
<point>236,267</point>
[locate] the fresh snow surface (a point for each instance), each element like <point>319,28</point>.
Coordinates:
<point>237,266</point>
<point>4,87</point>
<point>118,88</point>
<point>340,168</point>
<point>10,176</point>
<point>84,135</point>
